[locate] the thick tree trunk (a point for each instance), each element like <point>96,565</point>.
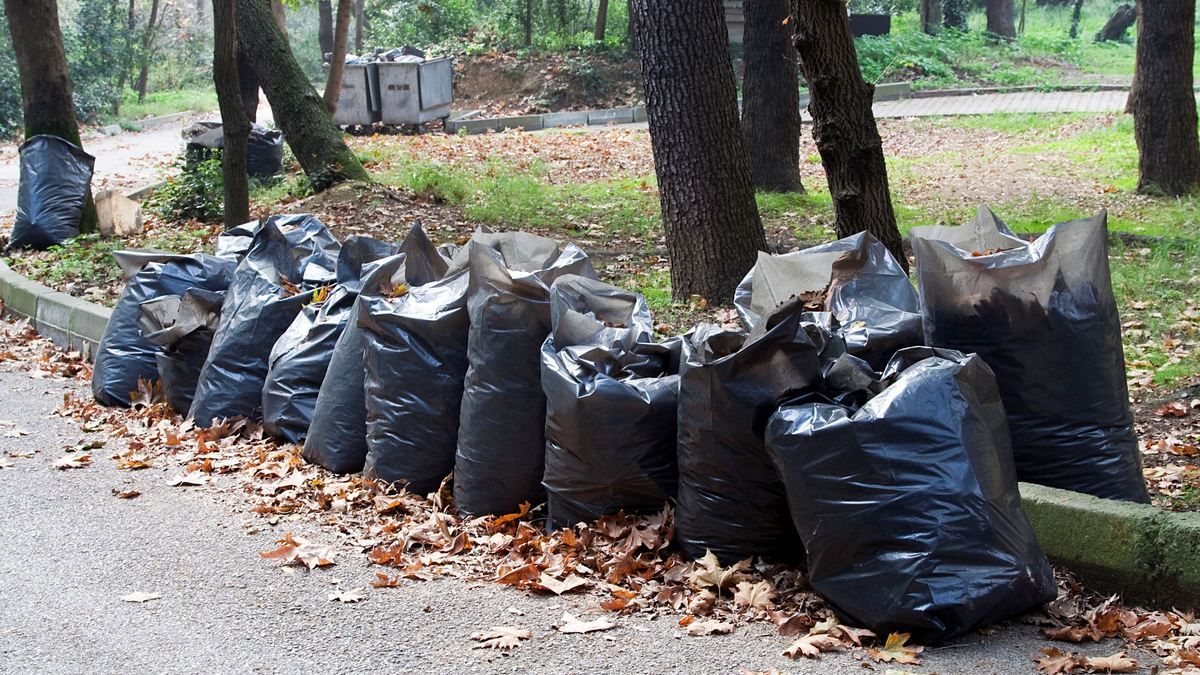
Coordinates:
<point>234,122</point>
<point>127,53</point>
<point>337,64</point>
<point>360,20</point>
<point>527,21</point>
<point>315,141</point>
<point>280,14</point>
<point>147,46</point>
<point>771,97</point>
<point>1163,105</point>
<point>1120,21</point>
<point>1076,15</point>
<point>46,99</point>
<point>325,26</point>
<point>954,14</point>
<point>1001,19</point>
<point>843,124</point>
<point>601,20</point>
<point>711,220</point>
<point>247,83</point>
<point>930,12</point>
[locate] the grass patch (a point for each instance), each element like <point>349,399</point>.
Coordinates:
<point>163,103</point>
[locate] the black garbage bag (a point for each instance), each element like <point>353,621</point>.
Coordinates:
<point>287,264</point>
<point>183,328</point>
<point>611,395</point>
<point>337,436</point>
<point>264,148</point>
<point>301,356</point>
<point>235,242</point>
<point>731,501</point>
<point>908,507</point>
<point>1044,317</point>
<point>856,279</point>
<point>55,182</point>
<point>124,354</point>
<point>501,434</point>
<point>416,361</point>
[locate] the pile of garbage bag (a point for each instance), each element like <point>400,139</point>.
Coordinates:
<point>822,428</point>
<point>264,147</point>
<point>55,184</point>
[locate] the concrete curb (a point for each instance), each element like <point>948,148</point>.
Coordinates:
<point>67,321</point>
<point>1145,554</point>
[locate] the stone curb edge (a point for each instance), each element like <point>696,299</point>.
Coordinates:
<point>1146,554</point>
<point>67,321</point>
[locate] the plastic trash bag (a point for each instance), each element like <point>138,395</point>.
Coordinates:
<point>416,361</point>
<point>124,354</point>
<point>856,279</point>
<point>300,358</point>
<point>337,437</point>
<point>731,500</point>
<point>611,395</point>
<point>182,328</point>
<point>55,182</point>
<point>235,241</point>
<point>501,435</point>
<point>287,263</point>
<point>264,147</point>
<point>908,507</point>
<point>1044,317</point>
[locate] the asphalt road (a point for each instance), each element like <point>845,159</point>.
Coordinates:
<point>69,550</point>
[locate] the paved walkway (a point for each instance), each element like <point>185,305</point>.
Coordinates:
<point>1017,102</point>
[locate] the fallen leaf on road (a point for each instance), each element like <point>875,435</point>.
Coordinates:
<point>140,597</point>
<point>125,494</point>
<point>572,624</point>
<point>189,478</point>
<point>355,595</point>
<point>73,461</point>
<point>708,572</point>
<point>133,463</point>
<point>559,586</point>
<point>812,645</point>
<point>755,596</point>
<point>709,627</point>
<point>1117,663</point>
<point>293,550</point>
<point>894,649</point>
<point>501,638</point>
<point>1173,409</point>
<point>384,581</point>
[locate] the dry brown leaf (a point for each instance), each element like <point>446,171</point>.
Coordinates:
<point>73,461</point>
<point>709,627</point>
<point>293,550</point>
<point>549,584</point>
<point>189,478</point>
<point>895,650</point>
<point>1116,663</point>
<point>811,646</point>
<point>1054,661</point>
<point>354,595</point>
<point>708,572</point>
<point>501,638</point>
<point>125,494</point>
<point>760,595</point>
<point>572,624</point>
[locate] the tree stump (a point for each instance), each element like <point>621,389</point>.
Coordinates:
<point>1120,21</point>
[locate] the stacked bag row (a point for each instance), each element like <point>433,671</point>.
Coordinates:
<point>877,434</point>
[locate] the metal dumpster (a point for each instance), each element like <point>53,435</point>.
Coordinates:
<point>358,102</point>
<point>415,91</point>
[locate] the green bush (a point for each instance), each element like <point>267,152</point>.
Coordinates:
<point>198,193</point>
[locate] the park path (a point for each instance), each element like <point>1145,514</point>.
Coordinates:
<point>69,550</point>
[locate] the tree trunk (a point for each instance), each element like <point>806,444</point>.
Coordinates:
<point>528,22</point>
<point>954,14</point>
<point>1076,15</point>
<point>315,141</point>
<point>930,12</point>
<point>325,26</point>
<point>1120,21</point>
<point>247,83</point>
<point>1001,19</point>
<point>337,64</point>
<point>771,97</point>
<point>711,221</point>
<point>147,45</point>
<point>843,124</point>
<point>127,54</point>
<point>601,20</point>
<point>234,122</point>
<point>360,18</point>
<point>280,13</point>
<point>46,99</point>
<point>1163,105</point>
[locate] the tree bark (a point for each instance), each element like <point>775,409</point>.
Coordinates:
<point>843,124</point>
<point>528,22</point>
<point>1001,19</point>
<point>1120,21</point>
<point>954,14</point>
<point>360,19</point>
<point>325,26</point>
<point>771,97</point>
<point>337,63</point>
<point>127,54</point>
<point>709,214</point>
<point>315,141</point>
<point>234,122</point>
<point>46,99</point>
<point>1163,105</point>
<point>280,13</point>
<point>147,45</point>
<point>1076,15</point>
<point>930,12</point>
<point>247,84</point>
<point>601,20</point>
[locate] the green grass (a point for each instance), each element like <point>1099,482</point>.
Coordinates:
<point>1009,123</point>
<point>163,103</point>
